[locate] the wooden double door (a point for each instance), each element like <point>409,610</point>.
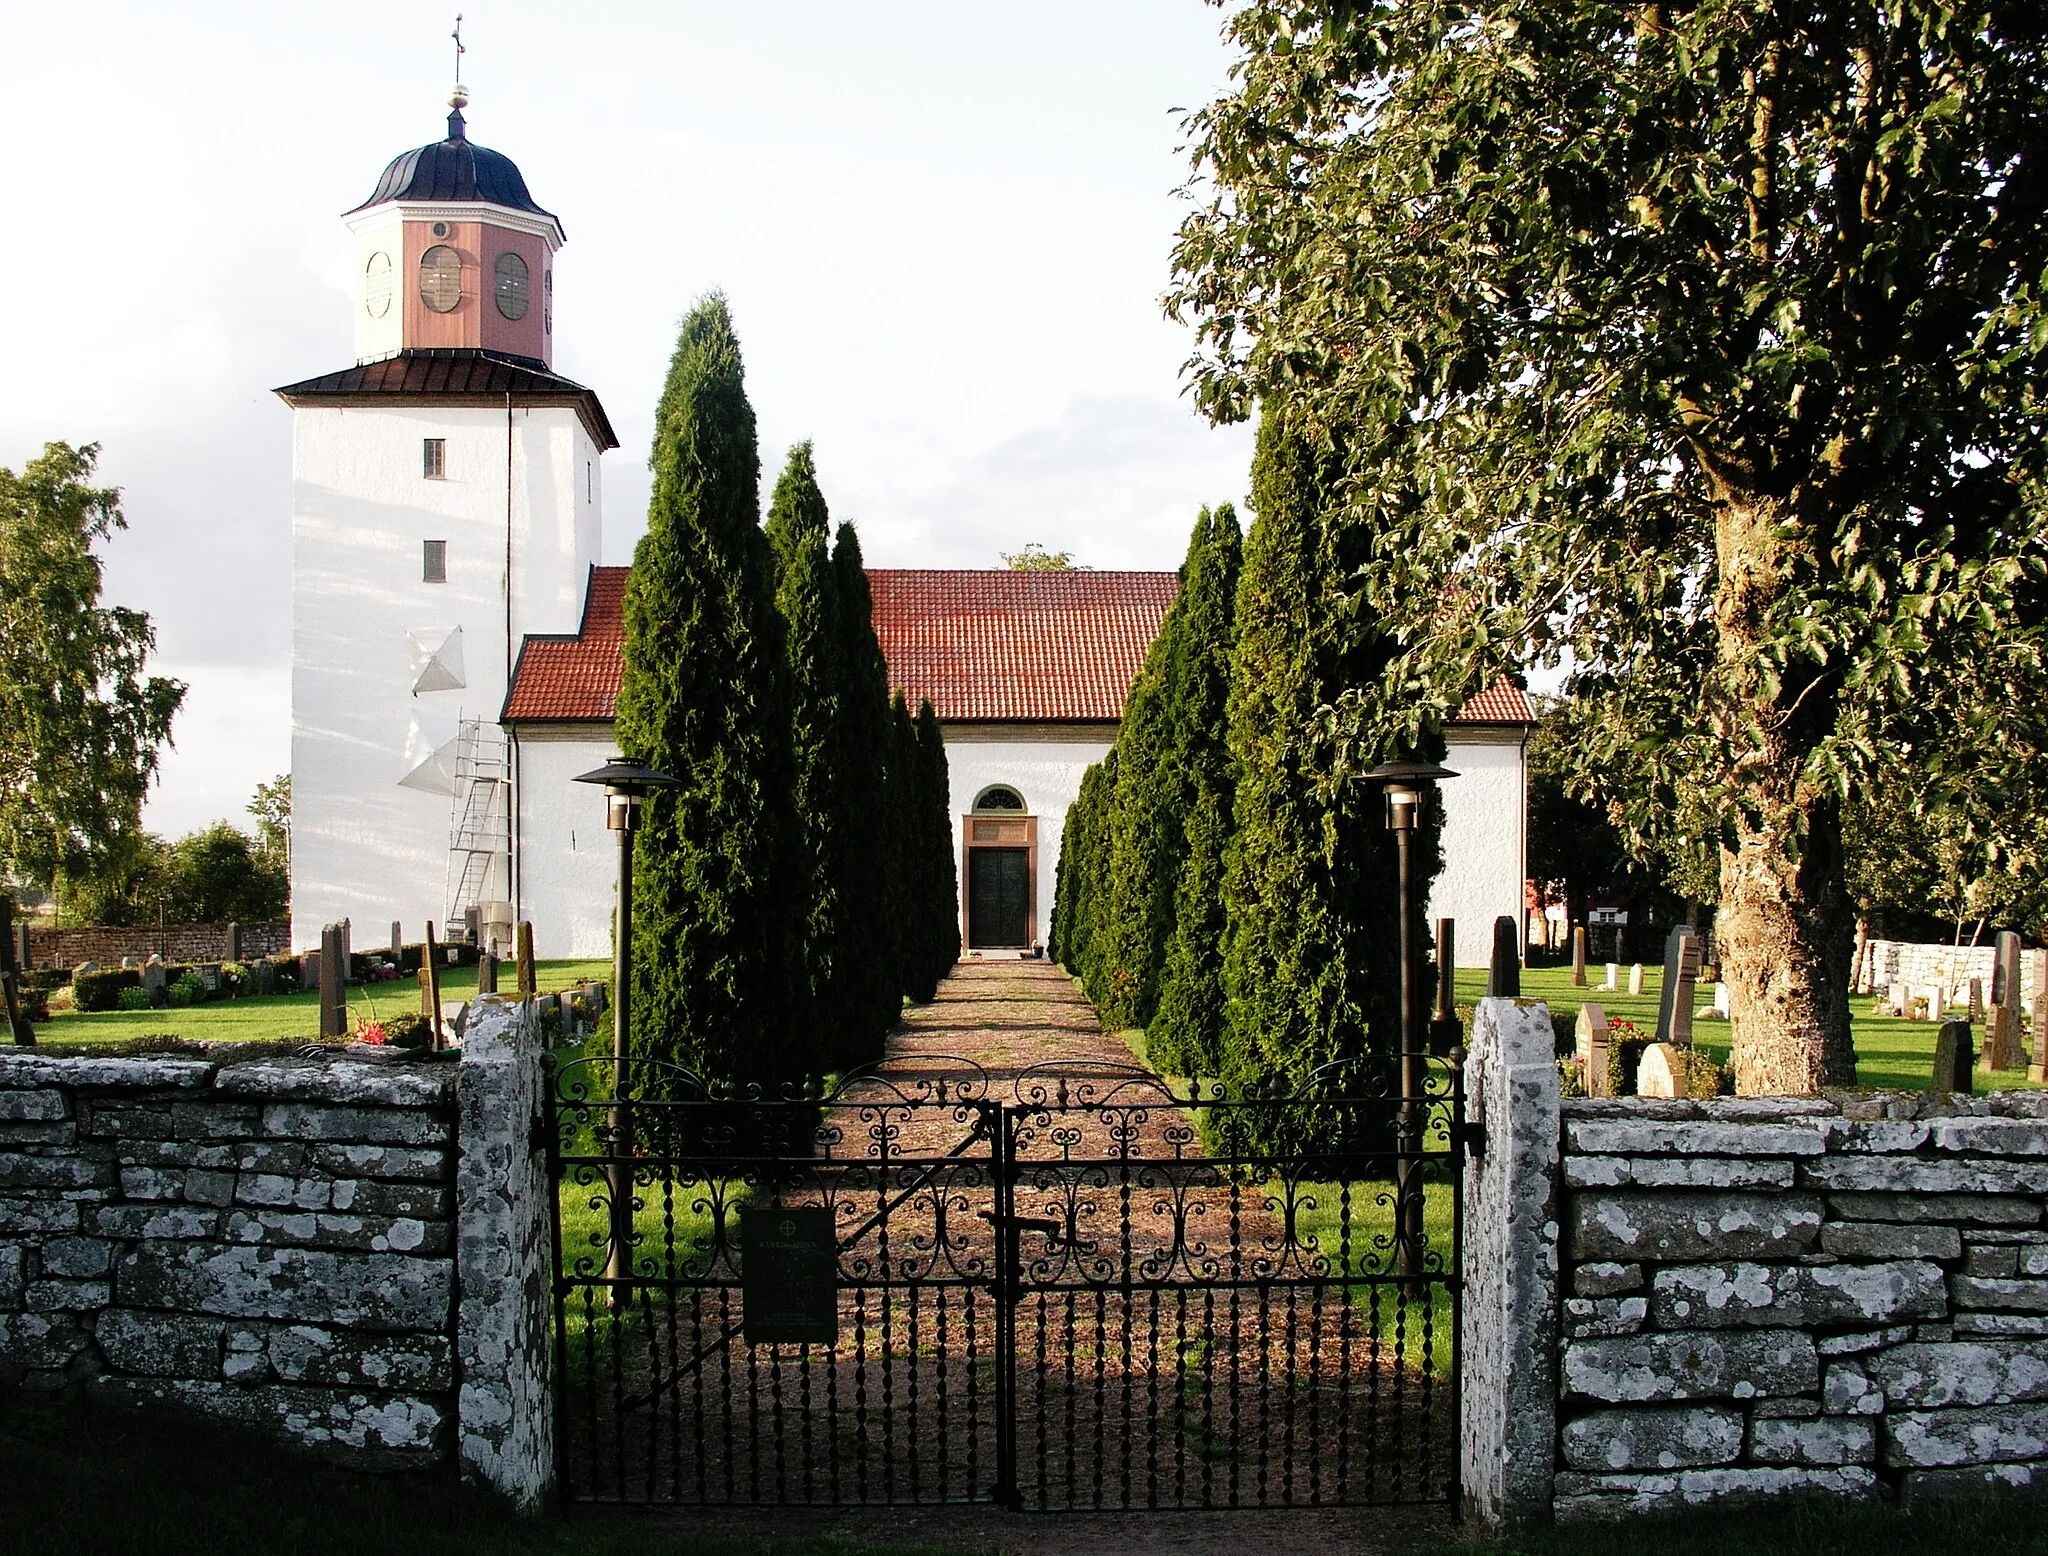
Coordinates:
<point>998,897</point>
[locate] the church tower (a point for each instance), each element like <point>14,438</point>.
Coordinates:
<point>445,505</point>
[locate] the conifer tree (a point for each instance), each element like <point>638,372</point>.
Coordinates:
<point>1139,848</point>
<point>937,910</point>
<point>806,597</point>
<point>869,985</point>
<point>1287,1004</point>
<point>900,810</point>
<point>1075,905</point>
<point>1185,1035</point>
<point>703,697</point>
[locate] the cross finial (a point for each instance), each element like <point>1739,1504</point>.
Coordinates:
<point>459,97</point>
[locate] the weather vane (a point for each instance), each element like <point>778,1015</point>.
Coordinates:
<point>459,49</point>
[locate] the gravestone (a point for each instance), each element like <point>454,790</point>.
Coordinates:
<point>1721,1000</point>
<point>1901,997</point>
<point>1504,973</point>
<point>1635,979</point>
<point>1937,1001</point>
<point>1952,1058</point>
<point>263,977</point>
<point>24,955</point>
<point>2001,1042</point>
<point>526,983</point>
<point>1681,978</point>
<point>487,973</point>
<point>156,983</point>
<point>2037,1071</point>
<point>1445,1030</point>
<point>1613,977</point>
<point>334,981</point>
<point>397,942</point>
<point>1662,1072</point>
<point>1976,1000</point>
<point>232,951</point>
<point>2005,970</point>
<point>1592,1049</point>
<point>1578,956</point>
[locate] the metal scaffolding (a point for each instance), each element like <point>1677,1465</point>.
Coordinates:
<point>480,828</point>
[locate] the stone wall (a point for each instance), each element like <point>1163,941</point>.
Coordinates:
<point>176,943</point>
<point>1761,1296</point>
<point>314,1247</point>
<point>1947,967</point>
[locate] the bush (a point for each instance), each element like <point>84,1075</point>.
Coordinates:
<point>1625,1045</point>
<point>102,990</point>
<point>135,998</point>
<point>190,989</point>
<point>1565,1031</point>
<point>409,1031</point>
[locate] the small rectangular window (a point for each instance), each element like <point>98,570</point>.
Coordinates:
<point>589,481</point>
<point>434,458</point>
<point>434,565</point>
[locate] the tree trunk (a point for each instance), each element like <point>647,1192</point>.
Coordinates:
<point>1785,925</point>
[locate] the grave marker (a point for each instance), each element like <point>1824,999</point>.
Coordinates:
<point>2037,1072</point>
<point>1445,1030</point>
<point>430,988</point>
<point>397,942</point>
<point>1592,1049</point>
<point>1504,973</point>
<point>334,981</point>
<point>1976,1000</point>
<point>1952,1058</point>
<point>1578,956</point>
<point>487,973</point>
<point>1681,976</point>
<point>1635,979</point>
<point>526,984</point>
<point>234,945</point>
<point>1662,1072</point>
<point>1613,977</point>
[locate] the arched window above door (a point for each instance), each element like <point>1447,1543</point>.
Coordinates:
<point>999,797</point>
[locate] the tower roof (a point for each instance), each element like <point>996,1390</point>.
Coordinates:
<point>455,169</point>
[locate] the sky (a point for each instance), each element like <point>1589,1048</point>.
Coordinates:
<point>943,228</point>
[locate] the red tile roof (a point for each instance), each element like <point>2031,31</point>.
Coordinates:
<point>573,679</point>
<point>1008,646</point>
<point>986,646</point>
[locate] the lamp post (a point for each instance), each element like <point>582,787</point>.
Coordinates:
<point>1403,783</point>
<point>626,784</point>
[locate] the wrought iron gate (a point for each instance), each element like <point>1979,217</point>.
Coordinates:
<point>1069,1287</point>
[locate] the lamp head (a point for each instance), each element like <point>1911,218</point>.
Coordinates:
<point>626,783</point>
<point>1404,783</point>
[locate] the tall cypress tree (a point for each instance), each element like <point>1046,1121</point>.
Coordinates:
<point>900,790</point>
<point>868,983</point>
<point>937,912</point>
<point>704,698</point>
<point>807,598</point>
<point>1185,1035</point>
<point>1138,850</point>
<point>1287,1004</point>
<point>1076,905</point>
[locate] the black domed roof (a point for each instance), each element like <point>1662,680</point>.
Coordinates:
<point>455,169</point>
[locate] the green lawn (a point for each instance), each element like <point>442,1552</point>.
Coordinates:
<point>1890,1052</point>
<point>261,1019</point>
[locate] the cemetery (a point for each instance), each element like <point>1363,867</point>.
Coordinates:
<point>1504,996</point>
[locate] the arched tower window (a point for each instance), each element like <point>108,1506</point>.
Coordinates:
<point>999,797</point>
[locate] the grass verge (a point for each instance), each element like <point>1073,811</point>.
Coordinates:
<point>103,1480</point>
<point>2000,1527</point>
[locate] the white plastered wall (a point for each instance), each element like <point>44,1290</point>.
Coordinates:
<point>1485,836</point>
<point>568,861</point>
<point>364,848</point>
<point>1044,764</point>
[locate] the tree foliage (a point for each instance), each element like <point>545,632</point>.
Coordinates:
<point>81,722</point>
<point>1698,342</point>
<point>1034,558</point>
<point>720,894</point>
<point>933,921</point>
<point>868,981</point>
<point>807,597</point>
<point>1185,1033</point>
<point>217,875</point>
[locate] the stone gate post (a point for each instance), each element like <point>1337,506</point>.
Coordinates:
<point>503,1257</point>
<point>1508,1334</point>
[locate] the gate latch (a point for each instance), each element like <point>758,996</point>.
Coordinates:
<point>1051,1229</point>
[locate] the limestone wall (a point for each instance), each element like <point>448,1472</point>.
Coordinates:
<point>175,942</point>
<point>270,1242</point>
<point>1947,967</point>
<point>1761,1296</point>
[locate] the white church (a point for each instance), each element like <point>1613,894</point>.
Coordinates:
<point>456,644</point>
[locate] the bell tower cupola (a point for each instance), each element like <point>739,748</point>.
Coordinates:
<point>453,254</point>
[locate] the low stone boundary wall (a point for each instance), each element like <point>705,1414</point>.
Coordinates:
<point>1741,1298</point>
<point>175,942</point>
<point>1950,967</point>
<point>309,1246</point>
